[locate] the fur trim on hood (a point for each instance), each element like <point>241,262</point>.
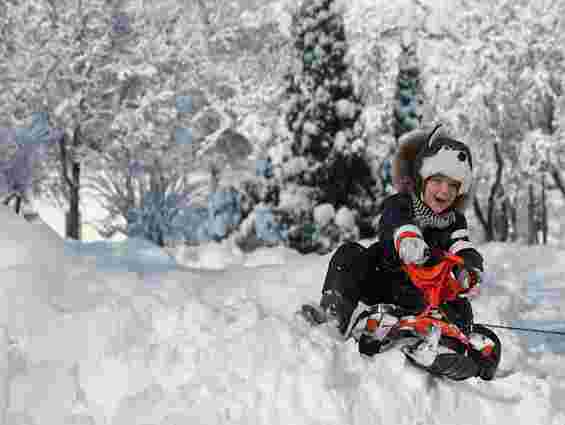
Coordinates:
<point>413,147</point>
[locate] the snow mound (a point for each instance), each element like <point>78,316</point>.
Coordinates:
<point>225,346</point>
<point>20,246</point>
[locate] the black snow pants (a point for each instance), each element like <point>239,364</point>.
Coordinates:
<point>359,274</point>
<point>356,273</point>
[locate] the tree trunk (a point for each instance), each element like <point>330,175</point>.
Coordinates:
<point>18,204</point>
<point>544,224</point>
<point>502,223</point>
<point>532,225</point>
<point>72,228</point>
<point>488,223</point>
<point>494,191</point>
<point>214,177</point>
<point>478,212</point>
<point>513,219</point>
<point>74,201</point>
<point>555,173</point>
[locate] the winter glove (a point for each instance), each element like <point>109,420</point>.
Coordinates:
<point>413,250</point>
<point>470,281</point>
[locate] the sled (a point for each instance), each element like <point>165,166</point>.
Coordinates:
<point>427,338</point>
<point>438,346</point>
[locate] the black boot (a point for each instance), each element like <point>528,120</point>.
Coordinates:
<point>342,285</point>
<point>337,308</point>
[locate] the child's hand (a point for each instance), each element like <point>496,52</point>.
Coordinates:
<point>413,251</point>
<point>470,281</point>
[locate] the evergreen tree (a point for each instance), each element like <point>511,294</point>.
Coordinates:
<point>407,109</point>
<point>329,160</point>
<point>409,97</point>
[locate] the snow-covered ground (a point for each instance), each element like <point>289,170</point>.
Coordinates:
<point>120,334</point>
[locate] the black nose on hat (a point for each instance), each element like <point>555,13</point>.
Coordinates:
<point>462,157</point>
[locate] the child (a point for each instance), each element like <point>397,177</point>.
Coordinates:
<point>433,174</point>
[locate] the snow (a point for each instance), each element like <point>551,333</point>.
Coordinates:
<point>340,141</point>
<point>119,333</point>
<point>296,198</point>
<point>345,109</point>
<point>324,214</point>
<point>345,218</point>
<point>311,128</point>
<point>358,146</point>
<point>256,130</point>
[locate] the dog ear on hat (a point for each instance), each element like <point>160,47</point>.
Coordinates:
<point>435,133</point>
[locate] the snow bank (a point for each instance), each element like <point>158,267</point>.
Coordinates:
<point>16,248</point>
<point>223,346</point>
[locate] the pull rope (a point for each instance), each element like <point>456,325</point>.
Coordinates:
<point>523,329</point>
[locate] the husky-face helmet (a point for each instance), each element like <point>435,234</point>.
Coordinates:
<point>445,156</point>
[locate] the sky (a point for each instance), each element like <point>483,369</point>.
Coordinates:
<point>123,333</point>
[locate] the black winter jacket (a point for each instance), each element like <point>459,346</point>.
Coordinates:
<point>445,232</point>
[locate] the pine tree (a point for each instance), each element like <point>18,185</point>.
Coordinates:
<point>323,113</point>
<point>407,112</point>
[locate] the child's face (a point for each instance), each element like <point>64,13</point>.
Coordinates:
<point>440,192</point>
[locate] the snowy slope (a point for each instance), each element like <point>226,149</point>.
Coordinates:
<point>89,341</point>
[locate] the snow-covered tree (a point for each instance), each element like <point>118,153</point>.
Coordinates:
<point>156,217</point>
<point>329,162</point>
<point>60,51</point>
<point>510,87</point>
<point>110,76</point>
<point>409,95</point>
<point>262,221</point>
<point>492,72</point>
<point>24,150</point>
<point>409,99</point>
<point>141,197</point>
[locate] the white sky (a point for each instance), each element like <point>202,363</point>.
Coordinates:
<point>117,334</point>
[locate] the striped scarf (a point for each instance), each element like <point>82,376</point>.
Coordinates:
<point>425,217</point>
